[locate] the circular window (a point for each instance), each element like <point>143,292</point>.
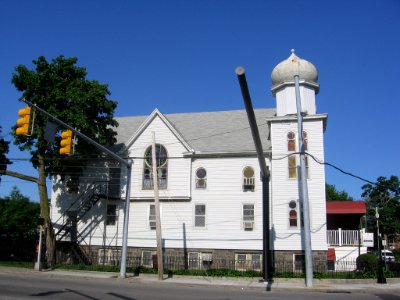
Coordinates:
<point>248,172</point>
<point>291,135</point>
<point>201,173</point>
<point>161,156</point>
<point>292,204</point>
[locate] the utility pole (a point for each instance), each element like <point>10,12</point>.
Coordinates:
<point>127,162</point>
<point>304,190</point>
<point>160,262</point>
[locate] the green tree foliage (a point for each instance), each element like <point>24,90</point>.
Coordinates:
<point>332,194</point>
<point>60,87</point>
<point>18,224</point>
<point>385,195</point>
<point>3,151</point>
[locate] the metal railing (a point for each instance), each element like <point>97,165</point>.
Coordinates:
<point>83,203</point>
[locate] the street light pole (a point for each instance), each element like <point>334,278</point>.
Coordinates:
<point>380,276</point>
<point>304,189</point>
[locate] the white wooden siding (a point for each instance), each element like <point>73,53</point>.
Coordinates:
<point>284,189</point>
<point>223,197</point>
<point>178,167</point>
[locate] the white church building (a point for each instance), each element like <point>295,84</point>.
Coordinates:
<point>209,183</point>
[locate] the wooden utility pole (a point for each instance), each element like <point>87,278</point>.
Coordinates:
<point>160,263</point>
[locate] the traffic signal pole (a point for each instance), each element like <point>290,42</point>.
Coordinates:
<point>127,162</point>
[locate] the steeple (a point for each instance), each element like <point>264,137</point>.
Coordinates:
<point>283,85</point>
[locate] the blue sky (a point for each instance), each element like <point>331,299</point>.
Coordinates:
<point>180,56</point>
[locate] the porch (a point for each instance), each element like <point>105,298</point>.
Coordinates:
<point>342,237</point>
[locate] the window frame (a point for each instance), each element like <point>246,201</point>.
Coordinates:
<point>111,217</point>
<point>162,169</point>
<point>151,259</point>
<point>297,262</point>
<point>296,210</point>
<point>203,260</point>
<point>109,257</point>
<point>300,215</point>
<point>292,161</point>
<point>151,217</point>
<point>243,217</point>
<point>198,179</point>
<point>248,182</point>
<point>195,215</point>
<point>249,262</point>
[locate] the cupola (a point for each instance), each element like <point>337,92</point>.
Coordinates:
<point>283,85</point>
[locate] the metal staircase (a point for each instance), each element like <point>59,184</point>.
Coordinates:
<point>68,233</point>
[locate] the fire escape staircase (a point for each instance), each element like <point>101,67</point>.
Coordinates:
<point>67,235</point>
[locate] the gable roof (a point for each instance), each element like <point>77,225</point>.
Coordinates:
<point>207,132</point>
<point>143,126</point>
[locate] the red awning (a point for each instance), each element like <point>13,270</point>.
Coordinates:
<point>331,254</point>
<point>345,207</point>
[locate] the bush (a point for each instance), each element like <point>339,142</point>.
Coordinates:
<point>367,262</point>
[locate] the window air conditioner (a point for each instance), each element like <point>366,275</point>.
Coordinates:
<point>248,225</point>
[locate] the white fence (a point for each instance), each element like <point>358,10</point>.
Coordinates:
<point>344,237</point>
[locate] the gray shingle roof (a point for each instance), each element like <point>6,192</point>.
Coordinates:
<point>208,132</point>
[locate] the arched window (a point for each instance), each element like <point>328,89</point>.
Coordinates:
<point>201,178</point>
<point>293,219</point>
<point>305,140</point>
<point>162,168</point>
<point>291,141</point>
<point>248,179</point>
<point>291,147</point>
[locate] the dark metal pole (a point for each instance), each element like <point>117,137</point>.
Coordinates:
<point>267,259</point>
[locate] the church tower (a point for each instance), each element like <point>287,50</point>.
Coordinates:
<point>286,202</point>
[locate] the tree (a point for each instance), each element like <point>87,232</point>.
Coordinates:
<point>385,195</point>
<point>3,159</point>
<point>332,194</point>
<point>18,224</point>
<point>60,87</point>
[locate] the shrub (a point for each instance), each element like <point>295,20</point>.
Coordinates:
<point>367,262</point>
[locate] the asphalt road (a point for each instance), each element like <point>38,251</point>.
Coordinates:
<point>40,286</point>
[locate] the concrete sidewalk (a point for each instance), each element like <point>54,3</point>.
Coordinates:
<point>287,284</point>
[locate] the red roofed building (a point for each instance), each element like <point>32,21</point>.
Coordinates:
<point>344,214</point>
<point>344,236</point>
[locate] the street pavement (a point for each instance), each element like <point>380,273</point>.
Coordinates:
<point>279,284</point>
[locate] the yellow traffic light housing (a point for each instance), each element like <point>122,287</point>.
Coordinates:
<point>23,122</point>
<point>66,142</point>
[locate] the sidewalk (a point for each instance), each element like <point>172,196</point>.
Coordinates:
<point>287,284</point>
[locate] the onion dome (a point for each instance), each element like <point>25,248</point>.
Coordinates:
<point>283,74</point>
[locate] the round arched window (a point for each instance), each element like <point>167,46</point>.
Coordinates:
<point>248,172</point>
<point>293,214</point>
<point>201,173</point>
<point>161,165</point>
<point>201,178</point>
<point>248,179</point>
<point>161,156</point>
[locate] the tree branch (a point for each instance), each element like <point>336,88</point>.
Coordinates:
<point>21,176</point>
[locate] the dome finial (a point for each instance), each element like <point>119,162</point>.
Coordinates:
<point>292,50</point>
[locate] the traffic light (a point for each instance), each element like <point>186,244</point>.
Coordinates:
<point>24,121</point>
<point>66,142</point>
